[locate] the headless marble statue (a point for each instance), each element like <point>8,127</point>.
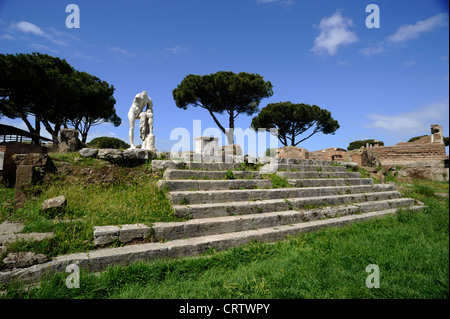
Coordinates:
<point>140,101</point>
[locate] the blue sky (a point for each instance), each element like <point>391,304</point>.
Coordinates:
<point>388,83</point>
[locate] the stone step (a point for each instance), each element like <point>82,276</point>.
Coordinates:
<point>195,211</point>
<point>310,168</point>
<point>170,174</point>
<point>298,175</point>
<point>204,185</point>
<point>212,166</point>
<point>329,182</point>
<point>100,259</point>
<point>222,196</point>
<point>205,158</point>
<point>227,224</point>
<point>211,159</point>
<point>296,161</point>
<point>218,225</point>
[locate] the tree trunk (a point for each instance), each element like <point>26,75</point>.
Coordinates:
<point>37,125</point>
<point>84,136</point>
<point>84,132</point>
<point>230,136</point>
<point>230,133</point>
<point>55,135</point>
<point>293,136</point>
<point>54,132</point>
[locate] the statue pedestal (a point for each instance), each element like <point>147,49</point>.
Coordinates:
<point>149,143</point>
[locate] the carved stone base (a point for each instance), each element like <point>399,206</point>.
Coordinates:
<point>149,143</point>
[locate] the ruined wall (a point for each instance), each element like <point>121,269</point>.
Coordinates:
<point>386,155</point>
<point>432,170</point>
<point>331,154</point>
<point>9,167</point>
<point>292,152</point>
<point>409,153</point>
<point>423,158</point>
<point>427,149</point>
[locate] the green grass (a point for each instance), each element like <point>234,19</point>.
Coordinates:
<point>230,175</point>
<point>410,248</point>
<point>336,164</point>
<point>97,194</point>
<point>6,200</point>
<point>277,181</point>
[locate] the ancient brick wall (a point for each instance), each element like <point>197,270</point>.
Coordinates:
<point>408,153</point>
<point>292,152</point>
<point>331,154</point>
<point>432,170</point>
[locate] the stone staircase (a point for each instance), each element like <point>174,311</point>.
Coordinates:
<point>244,205</point>
<point>224,207</point>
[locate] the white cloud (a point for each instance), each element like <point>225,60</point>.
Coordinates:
<point>28,27</point>
<point>334,33</point>
<point>120,51</point>
<point>6,37</point>
<point>410,123</point>
<point>176,49</point>
<point>411,31</point>
<point>368,51</point>
<point>59,42</point>
<point>407,32</point>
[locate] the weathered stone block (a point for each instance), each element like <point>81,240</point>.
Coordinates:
<point>169,164</point>
<point>57,203</point>
<point>269,169</point>
<point>69,141</point>
<point>109,154</point>
<point>136,154</point>
<point>2,159</point>
<point>34,159</point>
<point>88,152</point>
<point>105,234</point>
<point>206,145</point>
<point>231,149</point>
<point>24,178</point>
<point>136,231</point>
<point>23,259</point>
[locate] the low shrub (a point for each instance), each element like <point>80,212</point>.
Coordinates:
<point>108,142</point>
